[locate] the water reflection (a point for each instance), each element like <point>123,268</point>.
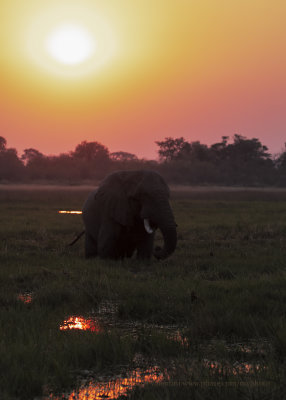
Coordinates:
<point>114,388</point>
<point>178,337</point>
<point>70,212</point>
<point>25,297</point>
<point>249,346</point>
<point>237,368</point>
<point>81,324</point>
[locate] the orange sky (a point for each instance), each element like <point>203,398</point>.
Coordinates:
<point>194,68</point>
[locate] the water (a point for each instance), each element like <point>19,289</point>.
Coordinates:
<point>118,383</point>
<point>69,212</point>
<point>25,297</point>
<point>81,323</point>
<point>112,388</point>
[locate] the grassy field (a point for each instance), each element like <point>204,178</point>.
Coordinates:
<point>212,316</point>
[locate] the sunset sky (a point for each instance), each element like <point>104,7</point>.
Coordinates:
<point>126,73</point>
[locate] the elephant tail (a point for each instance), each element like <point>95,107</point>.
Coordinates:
<point>77,238</point>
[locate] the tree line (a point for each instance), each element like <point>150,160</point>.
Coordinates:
<point>235,161</point>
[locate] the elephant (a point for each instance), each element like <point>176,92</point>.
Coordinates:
<point>122,215</point>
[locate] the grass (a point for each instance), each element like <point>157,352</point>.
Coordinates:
<point>224,285</point>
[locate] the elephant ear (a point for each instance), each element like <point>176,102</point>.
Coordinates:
<point>113,200</point>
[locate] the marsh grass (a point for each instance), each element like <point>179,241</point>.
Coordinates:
<point>225,284</point>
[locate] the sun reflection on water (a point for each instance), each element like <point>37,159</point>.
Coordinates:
<point>97,390</point>
<point>179,338</point>
<point>118,385</point>
<point>70,212</point>
<point>81,324</point>
<point>25,297</point>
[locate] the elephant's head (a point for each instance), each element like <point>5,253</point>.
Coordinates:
<point>144,195</point>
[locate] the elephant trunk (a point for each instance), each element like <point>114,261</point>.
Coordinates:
<point>170,242</point>
<point>167,226</point>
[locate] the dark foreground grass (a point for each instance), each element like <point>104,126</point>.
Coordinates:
<point>225,285</point>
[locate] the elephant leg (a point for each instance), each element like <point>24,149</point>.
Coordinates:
<point>108,241</point>
<point>90,246</point>
<point>130,250</point>
<point>145,246</point>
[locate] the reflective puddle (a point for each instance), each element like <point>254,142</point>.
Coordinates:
<point>238,368</point>
<point>114,388</point>
<point>104,319</point>
<point>99,324</point>
<point>178,337</point>
<point>25,297</point>
<point>69,212</point>
<point>82,324</point>
<point>121,385</point>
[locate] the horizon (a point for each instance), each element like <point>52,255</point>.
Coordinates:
<point>229,141</point>
<point>137,73</point>
<point>154,154</point>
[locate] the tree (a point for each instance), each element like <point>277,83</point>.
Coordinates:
<point>245,161</point>
<point>249,149</point>
<point>3,143</point>
<point>11,167</point>
<point>31,156</point>
<point>197,152</point>
<point>219,151</point>
<point>171,149</point>
<point>35,163</point>
<point>123,156</point>
<point>92,160</point>
<point>280,160</point>
<point>62,167</point>
<point>91,151</point>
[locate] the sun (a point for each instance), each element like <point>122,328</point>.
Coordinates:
<point>70,44</point>
<point>69,41</point>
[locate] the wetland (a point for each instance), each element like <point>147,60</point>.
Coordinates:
<point>210,321</point>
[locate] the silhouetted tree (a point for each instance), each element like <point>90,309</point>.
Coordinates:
<point>91,151</point>
<point>123,156</point>
<point>280,166</point>
<point>179,149</point>
<point>239,161</point>
<point>62,168</point>
<point>195,151</point>
<point>92,159</point>
<point>249,149</point>
<point>11,167</point>
<point>31,155</point>
<point>219,151</point>
<point>35,163</point>
<point>248,161</point>
<point>170,148</point>
<point>3,143</point>
<point>280,159</point>
<point>185,162</point>
<point>244,161</point>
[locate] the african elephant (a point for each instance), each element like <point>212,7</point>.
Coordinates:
<point>121,216</point>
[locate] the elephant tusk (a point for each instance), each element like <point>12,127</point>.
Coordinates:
<point>147,226</point>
